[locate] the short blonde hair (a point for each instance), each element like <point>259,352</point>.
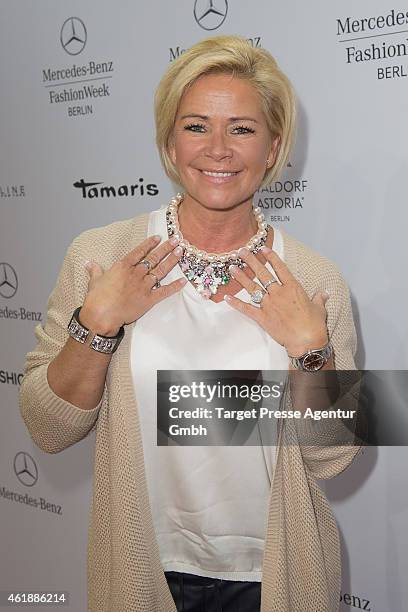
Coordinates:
<point>232,55</point>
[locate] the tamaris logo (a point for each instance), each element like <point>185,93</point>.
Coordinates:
<point>357,35</point>
<point>93,189</point>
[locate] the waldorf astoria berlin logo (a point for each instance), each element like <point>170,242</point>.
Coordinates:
<point>376,41</point>
<point>283,199</point>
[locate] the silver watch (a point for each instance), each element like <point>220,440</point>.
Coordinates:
<point>313,360</point>
<point>102,344</point>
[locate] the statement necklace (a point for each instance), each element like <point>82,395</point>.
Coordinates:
<point>210,270</point>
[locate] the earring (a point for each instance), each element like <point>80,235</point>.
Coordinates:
<point>268,161</point>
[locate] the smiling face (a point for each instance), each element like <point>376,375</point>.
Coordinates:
<point>220,142</point>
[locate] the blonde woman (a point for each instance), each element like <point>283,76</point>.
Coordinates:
<point>201,283</point>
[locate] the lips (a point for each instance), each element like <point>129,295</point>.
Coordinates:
<point>218,173</point>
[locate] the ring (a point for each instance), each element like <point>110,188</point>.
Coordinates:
<point>269,282</point>
<point>146,263</point>
<point>157,283</point>
<point>257,296</point>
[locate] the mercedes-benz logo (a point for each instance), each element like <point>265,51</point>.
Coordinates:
<point>25,469</point>
<point>8,280</point>
<point>73,35</point>
<point>208,16</point>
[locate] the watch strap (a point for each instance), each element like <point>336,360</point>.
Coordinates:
<point>313,360</point>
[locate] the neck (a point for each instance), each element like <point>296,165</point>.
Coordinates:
<point>216,231</point>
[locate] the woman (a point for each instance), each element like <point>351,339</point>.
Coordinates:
<point>203,283</point>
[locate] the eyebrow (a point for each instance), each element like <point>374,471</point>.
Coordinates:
<point>206,118</point>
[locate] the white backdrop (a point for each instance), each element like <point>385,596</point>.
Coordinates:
<point>77,84</point>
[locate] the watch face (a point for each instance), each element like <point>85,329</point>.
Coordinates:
<point>313,362</point>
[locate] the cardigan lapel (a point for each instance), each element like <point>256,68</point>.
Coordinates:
<point>120,369</point>
<point>270,599</point>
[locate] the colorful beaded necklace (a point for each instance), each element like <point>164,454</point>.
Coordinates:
<point>210,270</point>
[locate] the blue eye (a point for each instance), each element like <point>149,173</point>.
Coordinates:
<point>244,130</point>
<point>194,127</point>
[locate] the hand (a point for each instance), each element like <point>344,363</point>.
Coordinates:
<point>126,291</point>
<point>286,312</point>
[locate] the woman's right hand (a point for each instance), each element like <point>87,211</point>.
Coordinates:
<point>125,292</point>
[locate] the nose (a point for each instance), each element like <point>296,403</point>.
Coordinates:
<point>218,146</point>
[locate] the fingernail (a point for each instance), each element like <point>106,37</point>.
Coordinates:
<point>174,240</point>
<point>178,250</point>
<point>326,294</point>
<point>156,238</point>
<point>183,281</point>
<point>232,268</point>
<point>243,251</point>
<point>227,297</point>
<point>87,264</point>
<point>265,249</point>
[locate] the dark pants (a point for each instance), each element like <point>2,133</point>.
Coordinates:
<point>193,593</point>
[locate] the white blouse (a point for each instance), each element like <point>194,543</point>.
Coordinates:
<point>209,504</point>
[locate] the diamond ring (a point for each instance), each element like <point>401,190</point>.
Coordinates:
<point>146,263</point>
<point>257,296</point>
<point>268,283</point>
<point>157,283</point>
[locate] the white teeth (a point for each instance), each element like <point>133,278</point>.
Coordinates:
<point>218,173</point>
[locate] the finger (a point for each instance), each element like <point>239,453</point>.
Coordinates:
<point>253,262</point>
<point>165,291</point>
<point>320,298</point>
<point>243,279</point>
<point>94,269</point>
<point>151,279</point>
<point>141,250</point>
<point>164,267</point>
<point>280,268</point>
<point>253,312</point>
<point>145,248</point>
<point>158,254</point>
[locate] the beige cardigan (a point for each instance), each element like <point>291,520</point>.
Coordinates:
<point>301,566</point>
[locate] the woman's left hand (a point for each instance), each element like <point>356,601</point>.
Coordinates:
<point>286,312</point>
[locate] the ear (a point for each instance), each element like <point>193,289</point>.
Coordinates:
<point>273,154</point>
